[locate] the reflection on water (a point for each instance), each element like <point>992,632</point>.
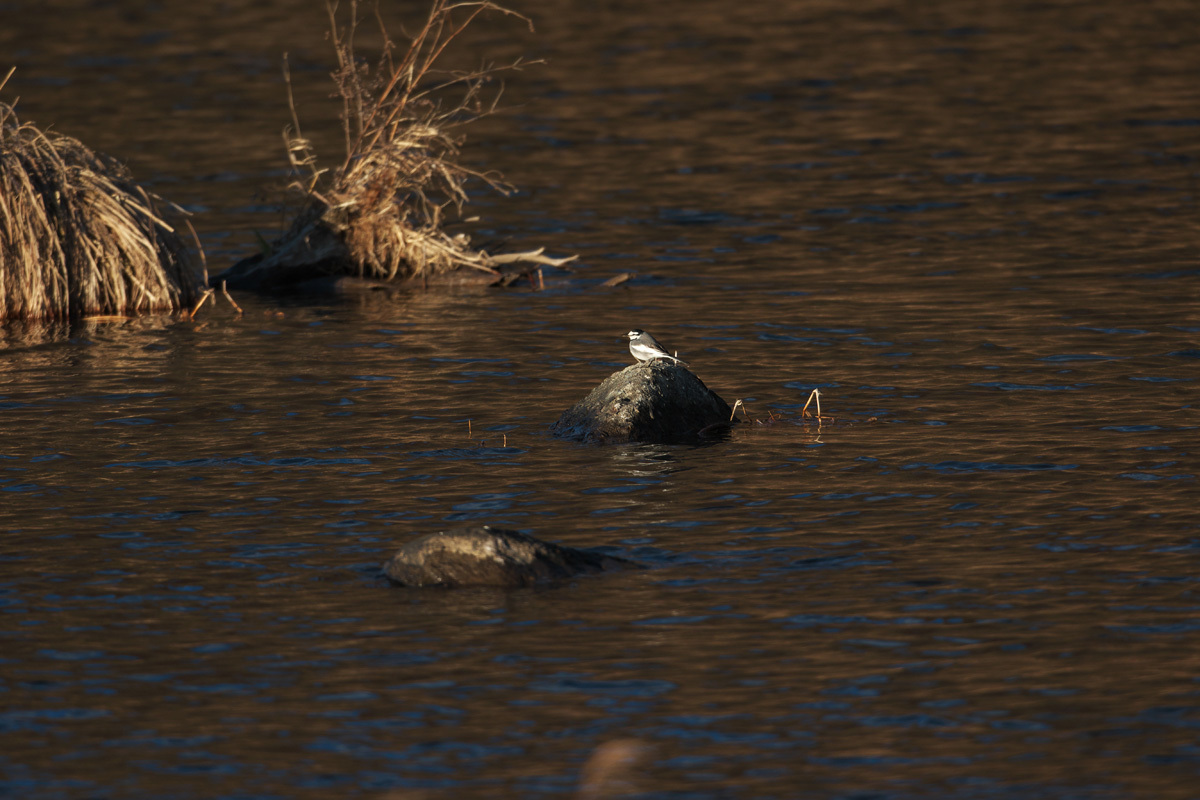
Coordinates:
<point>972,228</point>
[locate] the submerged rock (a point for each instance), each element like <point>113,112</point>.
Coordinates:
<point>487,556</point>
<point>653,401</point>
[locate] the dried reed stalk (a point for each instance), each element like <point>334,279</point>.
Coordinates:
<point>381,213</point>
<point>78,236</point>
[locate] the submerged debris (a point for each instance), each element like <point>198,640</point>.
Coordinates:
<point>78,237</point>
<point>487,556</point>
<point>381,214</point>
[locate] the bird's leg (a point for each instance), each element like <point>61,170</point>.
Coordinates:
<point>816,394</point>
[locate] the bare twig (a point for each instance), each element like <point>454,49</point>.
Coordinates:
<point>203,298</point>
<point>225,292</point>
<point>299,149</point>
<point>528,257</point>
<point>815,395</point>
<point>199,249</point>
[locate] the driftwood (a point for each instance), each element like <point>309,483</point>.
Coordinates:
<point>653,401</point>
<point>319,249</point>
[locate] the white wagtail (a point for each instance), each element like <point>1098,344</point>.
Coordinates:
<point>645,347</point>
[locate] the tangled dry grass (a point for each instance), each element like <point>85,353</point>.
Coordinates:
<point>78,237</point>
<point>381,214</point>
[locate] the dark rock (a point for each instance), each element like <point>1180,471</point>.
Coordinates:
<point>334,251</point>
<point>487,556</point>
<point>313,248</point>
<point>654,401</point>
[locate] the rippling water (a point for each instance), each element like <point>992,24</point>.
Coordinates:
<point>972,226</point>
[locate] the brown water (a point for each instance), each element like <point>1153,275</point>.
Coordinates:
<point>973,225</point>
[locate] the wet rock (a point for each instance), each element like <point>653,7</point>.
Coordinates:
<point>655,401</point>
<point>487,556</point>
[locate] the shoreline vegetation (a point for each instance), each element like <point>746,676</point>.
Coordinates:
<point>80,238</point>
<point>379,217</point>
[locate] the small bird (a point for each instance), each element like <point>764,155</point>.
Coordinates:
<point>645,347</point>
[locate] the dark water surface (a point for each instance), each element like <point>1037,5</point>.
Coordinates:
<point>973,225</point>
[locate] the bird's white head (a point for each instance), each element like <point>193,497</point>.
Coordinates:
<point>633,334</point>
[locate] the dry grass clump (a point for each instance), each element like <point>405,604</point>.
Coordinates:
<point>77,236</point>
<point>380,215</point>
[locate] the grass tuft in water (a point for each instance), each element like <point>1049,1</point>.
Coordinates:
<point>78,237</point>
<point>381,214</point>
